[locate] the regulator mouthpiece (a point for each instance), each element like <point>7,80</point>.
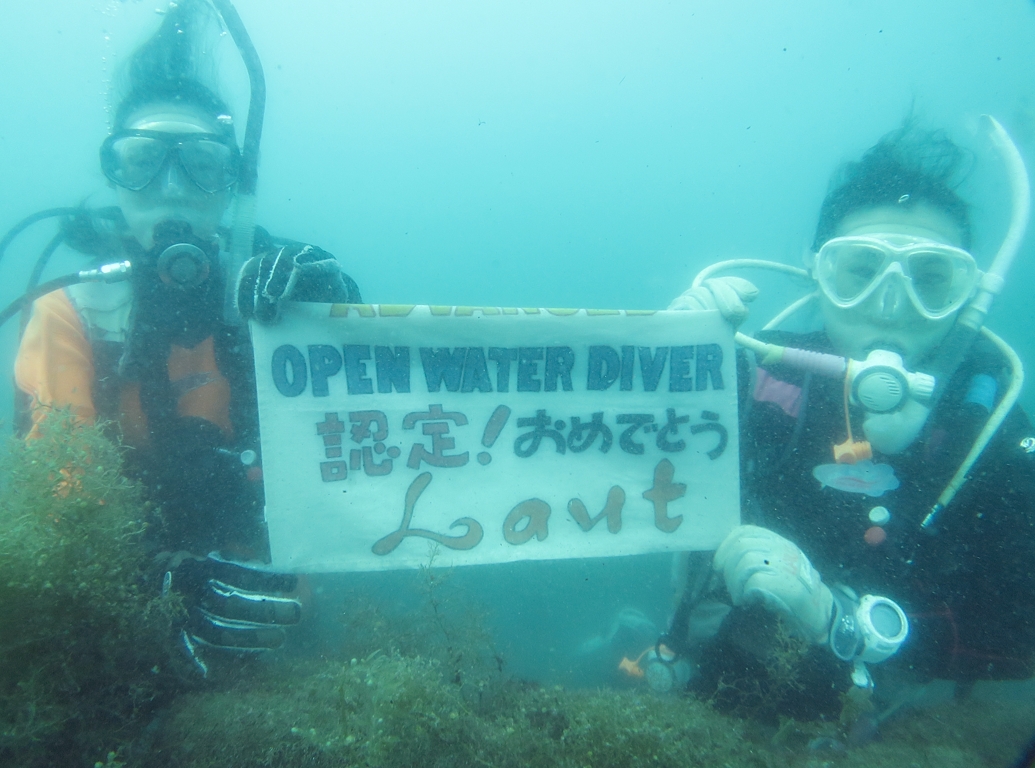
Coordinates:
<point>881,383</point>
<point>182,260</point>
<point>183,265</point>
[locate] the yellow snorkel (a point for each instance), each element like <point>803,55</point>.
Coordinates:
<point>972,318</point>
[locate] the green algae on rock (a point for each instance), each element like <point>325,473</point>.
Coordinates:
<point>390,711</point>
<point>85,640</point>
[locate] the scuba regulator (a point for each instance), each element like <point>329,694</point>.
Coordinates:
<point>881,383</point>
<point>179,260</point>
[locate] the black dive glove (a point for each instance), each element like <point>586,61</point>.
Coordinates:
<point>293,272</point>
<point>231,608</point>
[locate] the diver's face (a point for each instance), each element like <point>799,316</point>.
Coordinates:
<point>171,195</point>
<point>887,319</point>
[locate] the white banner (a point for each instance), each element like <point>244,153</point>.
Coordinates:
<point>494,434</point>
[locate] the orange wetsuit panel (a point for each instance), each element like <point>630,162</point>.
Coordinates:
<point>55,367</point>
<point>201,390</point>
<point>55,361</point>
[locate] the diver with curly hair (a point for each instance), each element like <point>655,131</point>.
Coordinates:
<point>165,355</point>
<point>906,555</point>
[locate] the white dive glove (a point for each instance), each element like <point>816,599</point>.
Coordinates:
<point>729,295</point>
<point>760,566</point>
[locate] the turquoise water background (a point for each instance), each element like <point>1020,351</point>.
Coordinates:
<point>543,153</point>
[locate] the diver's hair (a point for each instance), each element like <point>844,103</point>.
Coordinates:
<point>167,67</point>
<point>906,167</point>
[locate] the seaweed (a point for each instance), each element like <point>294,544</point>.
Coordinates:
<point>84,641</point>
<point>390,711</point>
<point>438,622</point>
<point>90,673</point>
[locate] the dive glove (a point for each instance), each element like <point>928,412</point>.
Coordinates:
<point>762,567</point>
<point>231,608</point>
<point>293,272</point>
<point>729,295</point>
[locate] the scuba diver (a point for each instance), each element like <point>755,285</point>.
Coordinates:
<point>165,354</point>
<point>888,480</point>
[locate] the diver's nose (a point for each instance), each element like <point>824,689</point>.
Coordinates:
<point>173,180</point>
<point>890,297</point>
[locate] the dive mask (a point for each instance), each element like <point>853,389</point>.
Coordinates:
<point>938,278</point>
<point>133,158</point>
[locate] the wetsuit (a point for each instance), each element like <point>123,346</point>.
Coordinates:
<point>967,589</point>
<point>177,383</point>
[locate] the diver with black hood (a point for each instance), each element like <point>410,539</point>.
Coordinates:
<point>165,354</point>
